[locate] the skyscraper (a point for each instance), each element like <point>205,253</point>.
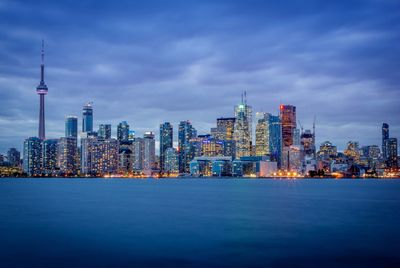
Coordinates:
<point>149,152</point>
<point>242,133</point>
<point>68,155</point>
<point>288,121</point>
<point>171,160</point>
<point>14,157</point>
<point>247,111</point>
<point>104,131</point>
<point>166,141</point>
<point>50,156</point>
<point>32,156</point>
<point>87,118</point>
<point>41,90</point>
<point>307,151</point>
<point>262,137</point>
<point>137,154</point>
<point>71,127</point>
<point>353,152</point>
<point>385,136</point>
<point>391,152</point>
<point>99,156</point>
<point>185,133</point>
<point>123,131</point>
<point>275,138</point>
<point>225,127</point>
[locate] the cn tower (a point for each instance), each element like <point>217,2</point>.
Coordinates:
<point>41,89</point>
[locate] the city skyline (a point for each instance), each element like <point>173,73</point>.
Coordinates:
<point>133,83</point>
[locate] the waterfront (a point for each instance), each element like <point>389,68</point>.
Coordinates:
<point>199,223</point>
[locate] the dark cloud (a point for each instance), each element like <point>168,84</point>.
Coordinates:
<point>152,61</point>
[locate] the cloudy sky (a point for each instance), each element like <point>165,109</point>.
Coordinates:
<point>152,61</point>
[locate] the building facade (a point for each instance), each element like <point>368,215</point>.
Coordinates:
<point>242,133</point>
<point>104,131</point>
<point>185,133</point>
<point>50,156</point>
<point>288,123</point>
<point>32,156</point>
<point>68,156</point>
<point>99,156</point>
<point>71,127</point>
<point>14,157</point>
<point>166,141</point>
<point>87,118</point>
<point>123,131</point>
<point>171,161</point>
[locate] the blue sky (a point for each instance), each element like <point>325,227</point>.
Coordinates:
<point>147,62</point>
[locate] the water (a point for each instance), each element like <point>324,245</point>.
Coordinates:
<point>199,223</point>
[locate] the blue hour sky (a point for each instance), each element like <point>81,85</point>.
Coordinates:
<point>147,62</point>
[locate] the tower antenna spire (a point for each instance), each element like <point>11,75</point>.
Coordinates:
<point>42,64</point>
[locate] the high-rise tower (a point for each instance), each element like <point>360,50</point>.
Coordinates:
<point>87,118</point>
<point>166,141</point>
<point>288,121</point>
<point>385,136</point>
<point>41,90</point>
<point>71,127</point>
<point>242,131</point>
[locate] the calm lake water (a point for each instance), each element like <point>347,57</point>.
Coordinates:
<point>199,223</point>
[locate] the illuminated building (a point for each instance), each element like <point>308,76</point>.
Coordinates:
<point>327,151</point>
<point>50,156</point>
<point>385,136</point>
<point>171,160</point>
<point>166,141</point>
<point>149,152</point>
<point>371,151</point>
<point>87,118</point>
<point>212,147</point>
<point>268,137</point>
<point>211,166</point>
<point>32,155</point>
<point>14,157</point>
<point>262,137</point>
<point>42,90</point>
<point>104,131</point>
<point>391,152</point>
<point>138,151</point>
<point>253,166</point>
<point>275,138</point>
<point>225,128</point>
<point>371,154</point>
<point>242,133</point>
<point>123,131</point>
<point>353,152</point>
<point>71,127</point>
<point>99,156</point>
<point>288,122</point>
<point>185,133</point>
<point>194,148</point>
<point>229,148</point>
<point>68,155</point>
